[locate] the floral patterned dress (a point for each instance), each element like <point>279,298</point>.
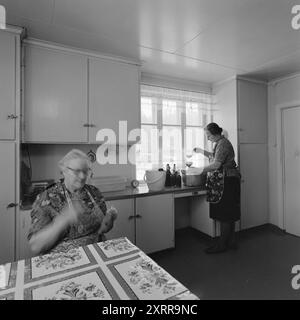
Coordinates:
<point>50,203</point>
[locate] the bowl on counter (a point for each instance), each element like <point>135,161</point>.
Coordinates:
<point>190,179</point>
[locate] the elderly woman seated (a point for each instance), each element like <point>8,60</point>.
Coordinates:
<point>70,212</point>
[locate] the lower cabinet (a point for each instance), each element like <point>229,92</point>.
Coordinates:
<point>147,221</point>
<point>7,196</point>
<point>23,249</point>
<point>199,214</point>
<point>254,186</point>
<point>124,225</point>
<point>155,222</point>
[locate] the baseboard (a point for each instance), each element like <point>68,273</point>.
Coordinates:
<point>268,225</point>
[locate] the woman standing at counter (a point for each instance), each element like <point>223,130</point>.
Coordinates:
<point>223,183</point>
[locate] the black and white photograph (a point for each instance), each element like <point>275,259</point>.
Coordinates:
<point>150,151</point>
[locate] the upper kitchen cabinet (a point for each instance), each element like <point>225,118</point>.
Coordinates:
<point>55,96</point>
<point>8,78</point>
<point>113,96</point>
<point>252,111</point>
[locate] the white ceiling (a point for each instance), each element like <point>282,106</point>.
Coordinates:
<point>202,40</point>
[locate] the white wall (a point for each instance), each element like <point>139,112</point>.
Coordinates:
<point>226,114</point>
<point>283,92</point>
<point>45,158</point>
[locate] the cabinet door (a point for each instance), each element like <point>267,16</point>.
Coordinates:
<point>124,224</point>
<point>113,96</point>
<point>7,196</point>
<point>25,223</point>
<point>200,219</point>
<point>7,85</point>
<point>254,186</point>
<point>55,96</point>
<point>252,110</point>
<point>155,223</point>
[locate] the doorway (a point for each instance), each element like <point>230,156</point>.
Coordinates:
<point>291,168</point>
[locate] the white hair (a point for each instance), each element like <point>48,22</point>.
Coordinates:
<point>73,154</point>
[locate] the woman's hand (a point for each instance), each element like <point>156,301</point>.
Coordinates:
<point>69,215</point>
<point>108,220</point>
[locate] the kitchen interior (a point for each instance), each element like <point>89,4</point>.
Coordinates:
<point>72,68</point>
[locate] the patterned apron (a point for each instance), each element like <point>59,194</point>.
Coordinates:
<point>215,183</point>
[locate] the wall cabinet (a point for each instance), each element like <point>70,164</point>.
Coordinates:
<point>253,156</point>
<point>252,112</point>
<point>69,96</point>
<point>113,96</point>
<point>10,66</point>
<point>7,196</point>
<point>242,104</point>
<point>55,96</point>
<point>155,222</point>
<point>8,78</point>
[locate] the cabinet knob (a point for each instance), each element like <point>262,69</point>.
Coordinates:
<point>240,129</point>
<point>11,117</point>
<point>11,205</point>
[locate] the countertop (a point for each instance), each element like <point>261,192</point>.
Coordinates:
<point>141,191</point>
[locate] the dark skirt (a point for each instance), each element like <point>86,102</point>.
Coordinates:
<point>228,209</point>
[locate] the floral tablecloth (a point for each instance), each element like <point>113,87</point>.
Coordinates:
<point>110,270</point>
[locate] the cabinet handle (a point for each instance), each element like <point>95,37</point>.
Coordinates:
<point>92,125</point>
<point>11,205</point>
<point>86,125</point>
<point>11,117</point>
<point>240,129</point>
<point>130,217</point>
<point>138,216</point>
<point>195,193</point>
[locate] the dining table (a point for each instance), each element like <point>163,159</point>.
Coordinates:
<point>114,269</point>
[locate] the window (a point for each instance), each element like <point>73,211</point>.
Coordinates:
<point>172,123</point>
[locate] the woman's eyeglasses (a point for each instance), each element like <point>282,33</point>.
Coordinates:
<point>77,172</point>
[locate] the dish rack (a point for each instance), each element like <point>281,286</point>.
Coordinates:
<point>109,183</point>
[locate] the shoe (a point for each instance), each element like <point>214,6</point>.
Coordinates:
<point>215,249</point>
